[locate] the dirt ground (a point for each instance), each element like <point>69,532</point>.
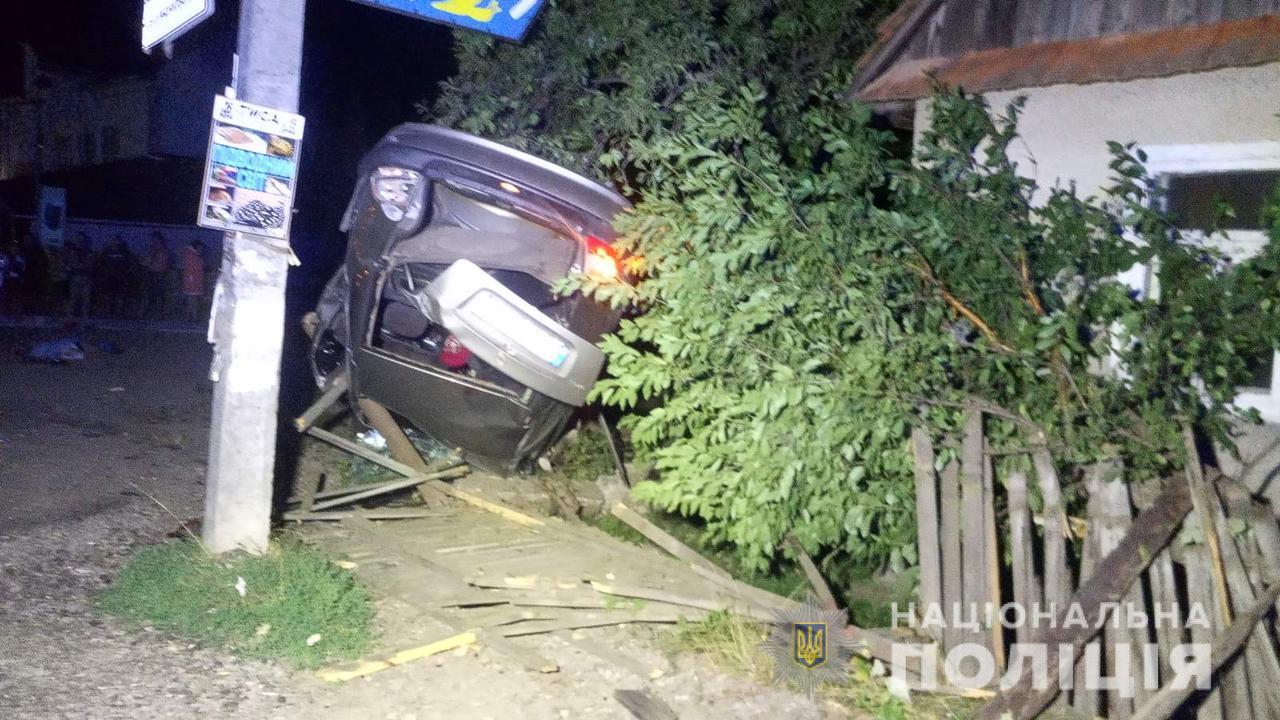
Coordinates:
<point>81,447</point>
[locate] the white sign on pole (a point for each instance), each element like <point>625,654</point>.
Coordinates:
<point>164,20</point>
<point>252,168</point>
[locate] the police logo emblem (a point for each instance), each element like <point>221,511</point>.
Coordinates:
<point>809,646</point>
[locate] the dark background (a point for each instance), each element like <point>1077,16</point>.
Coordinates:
<point>363,71</point>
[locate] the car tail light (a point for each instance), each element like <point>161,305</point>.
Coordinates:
<point>398,192</point>
<point>600,262</point>
<point>454,355</point>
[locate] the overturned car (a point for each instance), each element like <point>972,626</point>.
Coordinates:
<point>444,310</point>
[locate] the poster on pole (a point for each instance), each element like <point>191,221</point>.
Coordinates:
<point>51,217</point>
<point>165,20</point>
<point>251,169</point>
<point>508,19</point>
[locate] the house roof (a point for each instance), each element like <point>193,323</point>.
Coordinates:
<point>1161,53</point>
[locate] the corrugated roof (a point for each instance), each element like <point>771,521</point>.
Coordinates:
<point>1113,58</point>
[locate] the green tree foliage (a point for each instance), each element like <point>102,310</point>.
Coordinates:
<point>807,298</point>
<point>595,74</point>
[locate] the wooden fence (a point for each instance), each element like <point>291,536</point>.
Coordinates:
<point>1196,556</point>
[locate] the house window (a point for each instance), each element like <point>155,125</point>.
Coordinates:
<point>1200,182</point>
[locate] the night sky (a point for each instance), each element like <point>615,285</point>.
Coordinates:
<point>363,70</point>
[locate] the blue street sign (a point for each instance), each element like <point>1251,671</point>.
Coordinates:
<point>508,19</point>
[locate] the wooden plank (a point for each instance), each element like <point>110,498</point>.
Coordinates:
<point>340,515</point>
<point>498,509</point>
<point>361,668</point>
<point>443,582</point>
<point>1261,661</point>
<point>973,531</point>
<point>1087,701</point>
<point>384,488</point>
<point>1116,519</point>
<point>735,605</point>
<point>1170,697</point>
<point>663,539</point>
<point>1204,502</point>
<point>396,466</point>
<point>1149,15</point>
<point>1151,532</point>
<point>1180,12</point>
<point>1026,585</point>
<point>602,618</point>
<point>1057,574</point>
<point>644,705</point>
<point>991,550</point>
<point>949,529</point>
<point>1086,19</point>
<point>928,550</point>
<point>337,388</point>
<point>813,574</point>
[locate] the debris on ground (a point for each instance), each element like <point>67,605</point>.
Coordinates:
<point>56,351</point>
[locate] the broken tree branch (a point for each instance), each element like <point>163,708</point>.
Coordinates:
<point>925,271</point>
<point>814,575</point>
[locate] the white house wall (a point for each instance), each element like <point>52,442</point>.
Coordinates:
<point>1064,133</point>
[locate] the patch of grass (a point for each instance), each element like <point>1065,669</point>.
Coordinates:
<point>620,530</point>
<point>729,641</point>
<point>584,454</point>
<point>291,593</point>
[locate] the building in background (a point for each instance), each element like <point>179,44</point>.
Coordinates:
<point>1196,85</point>
<point>128,150</point>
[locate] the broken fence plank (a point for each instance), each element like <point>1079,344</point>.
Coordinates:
<point>650,615</point>
<point>644,706</point>
<point>337,388</point>
<point>1151,531</point>
<point>454,472</point>
<point>360,668</point>
<point>664,596</point>
<point>1203,500</point>
<point>1169,698</point>
<point>340,515</point>
<point>393,465</point>
<point>929,552</point>
<point>949,530</point>
<point>663,539</point>
<point>498,509</point>
<point>763,598</point>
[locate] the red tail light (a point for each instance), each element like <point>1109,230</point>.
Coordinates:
<point>454,355</point>
<point>601,263</point>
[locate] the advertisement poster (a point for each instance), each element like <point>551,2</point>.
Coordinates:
<point>508,20</point>
<point>251,170</point>
<point>52,216</point>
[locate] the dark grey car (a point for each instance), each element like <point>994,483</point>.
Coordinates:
<point>444,310</point>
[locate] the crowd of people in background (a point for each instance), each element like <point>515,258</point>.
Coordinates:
<point>78,280</point>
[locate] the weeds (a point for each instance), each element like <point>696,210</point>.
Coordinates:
<point>733,643</point>
<point>296,606</point>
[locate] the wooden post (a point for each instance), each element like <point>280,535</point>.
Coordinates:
<point>949,524</point>
<point>972,503</point>
<point>1026,586</point>
<point>991,551</point>
<point>1057,576</point>
<point>928,550</point>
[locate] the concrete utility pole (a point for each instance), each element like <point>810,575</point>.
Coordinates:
<point>249,309</point>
